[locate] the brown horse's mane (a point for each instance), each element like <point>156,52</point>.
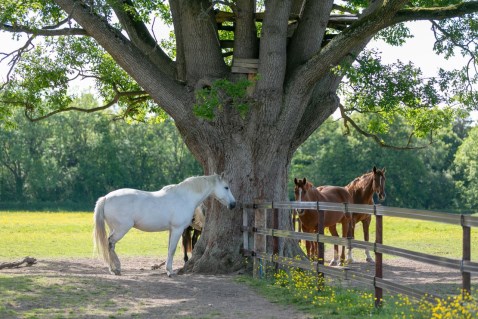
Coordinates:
<point>358,182</point>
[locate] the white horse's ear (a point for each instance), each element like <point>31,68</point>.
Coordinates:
<point>222,175</point>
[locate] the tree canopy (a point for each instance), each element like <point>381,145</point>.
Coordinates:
<point>62,37</point>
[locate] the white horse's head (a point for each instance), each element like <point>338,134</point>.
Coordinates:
<point>223,193</point>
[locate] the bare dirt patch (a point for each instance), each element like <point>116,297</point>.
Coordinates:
<point>83,288</point>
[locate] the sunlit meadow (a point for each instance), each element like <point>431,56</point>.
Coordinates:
<point>300,288</point>
<point>66,235</point>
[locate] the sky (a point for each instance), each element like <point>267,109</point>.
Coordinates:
<point>418,49</point>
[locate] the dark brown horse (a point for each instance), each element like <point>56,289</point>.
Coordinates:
<point>362,189</point>
<point>195,228</point>
<point>305,191</point>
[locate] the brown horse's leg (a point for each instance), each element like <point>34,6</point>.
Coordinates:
<point>366,228</point>
<point>346,222</point>
<point>186,242</point>
<point>335,261</point>
<point>353,222</point>
<point>196,234</point>
<point>309,245</point>
<point>315,247</point>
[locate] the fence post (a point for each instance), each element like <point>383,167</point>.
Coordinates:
<point>466,276</point>
<point>378,256</point>
<point>275,239</point>
<point>260,221</point>
<point>320,247</point>
<point>245,233</point>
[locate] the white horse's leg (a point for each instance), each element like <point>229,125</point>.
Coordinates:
<point>174,235</point>
<point>115,264</point>
<point>350,258</point>
<point>369,257</point>
<point>336,260</point>
<point>366,229</point>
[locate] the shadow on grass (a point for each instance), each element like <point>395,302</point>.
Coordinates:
<point>75,290</point>
<point>83,288</point>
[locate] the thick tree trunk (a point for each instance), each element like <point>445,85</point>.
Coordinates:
<point>260,174</point>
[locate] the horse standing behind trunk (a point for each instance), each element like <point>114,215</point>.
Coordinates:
<point>196,226</point>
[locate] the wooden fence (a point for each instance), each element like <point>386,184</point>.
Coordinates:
<point>258,231</point>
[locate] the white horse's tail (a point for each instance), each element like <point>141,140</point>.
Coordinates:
<point>100,239</point>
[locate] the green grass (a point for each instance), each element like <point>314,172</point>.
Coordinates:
<point>60,235</point>
<point>421,236</point>
<point>299,288</point>
<point>63,234</point>
<point>34,296</point>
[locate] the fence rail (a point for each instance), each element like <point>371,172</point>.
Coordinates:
<point>260,232</point>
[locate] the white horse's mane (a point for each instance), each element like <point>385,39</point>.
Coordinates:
<point>197,183</point>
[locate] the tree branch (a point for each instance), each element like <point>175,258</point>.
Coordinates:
<point>245,34</point>
<point>435,13</point>
<point>308,36</point>
<point>273,47</point>
<point>116,98</point>
<point>344,9</point>
<point>162,88</point>
<point>138,34</point>
<point>375,18</point>
<point>17,54</point>
<point>374,137</point>
<point>300,89</point>
<point>180,56</point>
<point>46,31</point>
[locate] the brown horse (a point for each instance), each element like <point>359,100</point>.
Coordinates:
<point>362,189</point>
<point>305,191</point>
<point>195,227</point>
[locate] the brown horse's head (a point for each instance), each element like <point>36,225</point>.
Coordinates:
<point>379,183</point>
<point>300,191</point>
<point>300,188</point>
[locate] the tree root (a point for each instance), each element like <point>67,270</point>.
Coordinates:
<point>28,261</point>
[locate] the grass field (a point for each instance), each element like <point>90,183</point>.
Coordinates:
<point>422,236</point>
<point>64,234</point>
<point>57,235</point>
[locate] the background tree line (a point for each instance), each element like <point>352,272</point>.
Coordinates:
<point>73,158</point>
<point>70,159</point>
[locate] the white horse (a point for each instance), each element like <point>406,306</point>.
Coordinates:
<point>171,209</point>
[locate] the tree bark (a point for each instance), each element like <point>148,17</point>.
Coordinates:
<point>251,178</point>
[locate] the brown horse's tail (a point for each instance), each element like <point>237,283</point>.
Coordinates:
<point>100,239</point>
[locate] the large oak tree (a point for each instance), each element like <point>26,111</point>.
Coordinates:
<point>247,125</point>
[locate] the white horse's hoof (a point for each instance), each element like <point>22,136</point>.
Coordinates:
<point>170,273</point>
<point>370,260</point>
<point>350,261</point>
<point>333,263</point>
<point>116,272</point>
